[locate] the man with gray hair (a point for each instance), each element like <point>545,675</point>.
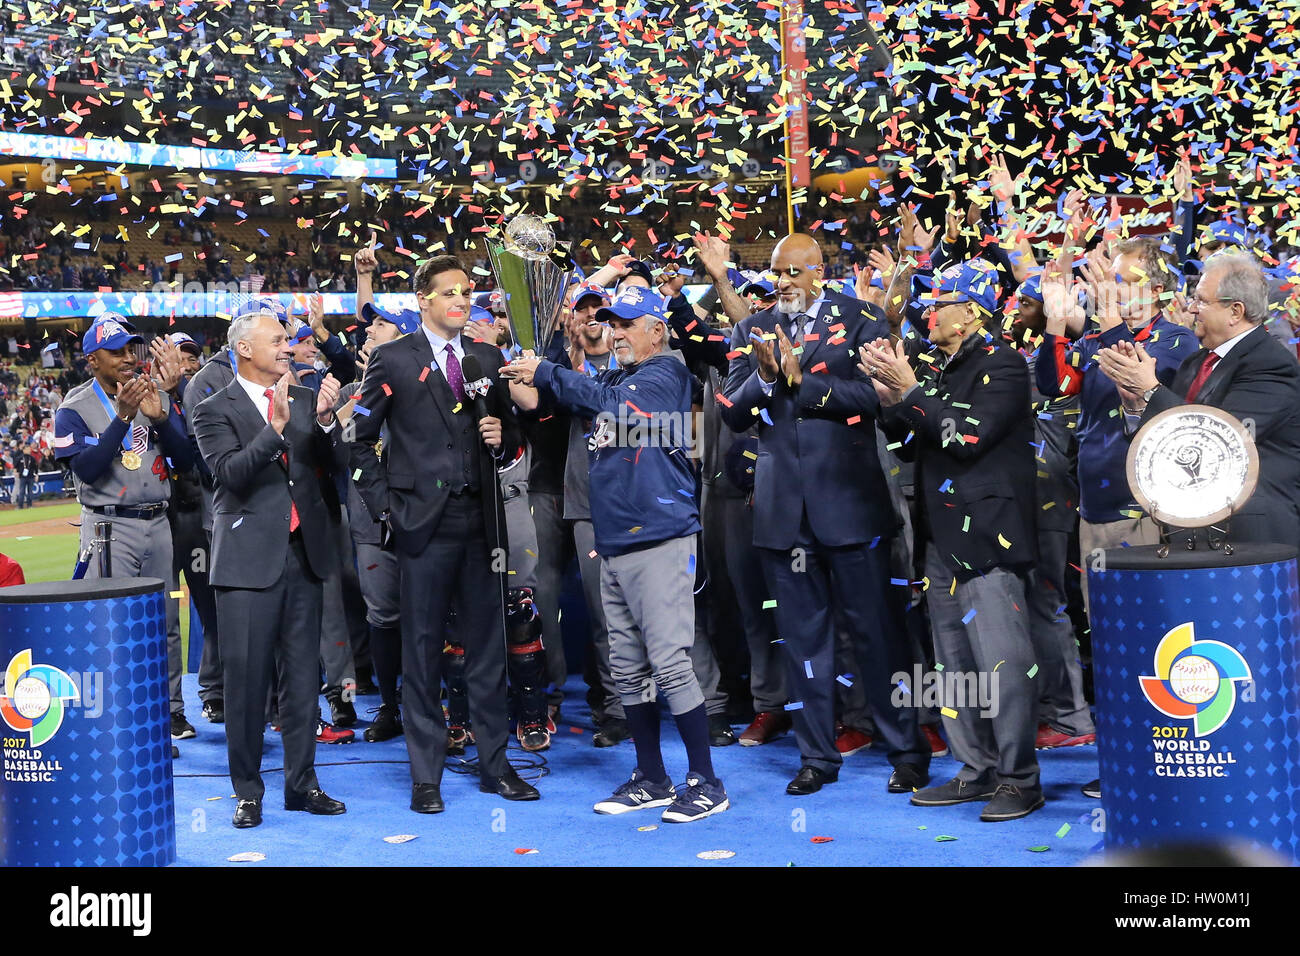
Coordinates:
<point>1241,369</point>
<point>645,514</point>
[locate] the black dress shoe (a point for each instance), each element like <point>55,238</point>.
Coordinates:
<point>342,713</point>
<point>720,732</point>
<point>613,730</point>
<point>214,712</point>
<point>387,725</point>
<point>810,780</point>
<point>314,801</point>
<point>510,786</point>
<point>248,814</point>
<point>907,777</point>
<point>426,798</point>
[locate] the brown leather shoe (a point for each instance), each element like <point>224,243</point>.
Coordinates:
<point>767,726</point>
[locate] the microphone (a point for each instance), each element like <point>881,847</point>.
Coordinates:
<point>476,385</point>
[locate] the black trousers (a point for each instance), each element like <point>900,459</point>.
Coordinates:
<point>454,569</point>
<point>804,583</point>
<point>257,628</point>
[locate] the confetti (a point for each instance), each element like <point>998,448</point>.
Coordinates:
<point>716,854</point>
<point>1065,828</point>
<point>400,838</point>
<point>821,839</point>
<point>944,839</point>
<point>248,856</point>
<point>1038,849</point>
<point>648,827</point>
<point>525,851</point>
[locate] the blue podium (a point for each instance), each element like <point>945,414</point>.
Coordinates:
<point>1198,709</point>
<point>87,768</point>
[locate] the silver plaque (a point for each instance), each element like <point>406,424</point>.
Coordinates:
<point>1192,466</point>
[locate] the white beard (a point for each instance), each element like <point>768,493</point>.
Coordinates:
<point>791,306</point>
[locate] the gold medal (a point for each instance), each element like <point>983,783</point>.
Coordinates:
<point>130,460</point>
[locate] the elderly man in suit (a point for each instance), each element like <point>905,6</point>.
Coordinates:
<point>822,512</point>
<point>434,495</point>
<point>963,413</point>
<point>1239,368</point>
<point>268,446</point>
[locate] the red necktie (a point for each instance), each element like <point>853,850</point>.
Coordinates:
<point>284,462</point>
<point>1206,368</point>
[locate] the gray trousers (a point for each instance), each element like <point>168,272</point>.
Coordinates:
<point>1061,702</point>
<point>591,569</point>
<point>650,612</point>
<point>980,636</point>
<point>555,550</point>
<point>381,585</point>
<point>142,548</point>
<point>522,561</point>
<point>704,661</point>
<point>335,639</point>
<point>766,665</point>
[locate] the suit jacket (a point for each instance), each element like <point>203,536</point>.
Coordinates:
<point>404,388</point>
<point>253,490</point>
<point>1258,383</point>
<point>969,426</point>
<point>816,443</point>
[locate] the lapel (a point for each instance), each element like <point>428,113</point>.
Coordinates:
<point>246,414</point>
<point>1223,371</point>
<point>435,381</point>
<point>833,311</point>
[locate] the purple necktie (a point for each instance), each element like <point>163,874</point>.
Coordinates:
<point>454,377</point>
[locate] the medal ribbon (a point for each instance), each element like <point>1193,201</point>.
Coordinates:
<point>112,414</point>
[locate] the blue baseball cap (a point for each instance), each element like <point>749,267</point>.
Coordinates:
<point>185,341</point>
<point>633,302</point>
<point>639,267</point>
<point>756,283</point>
<point>479,314</point>
<point>264,303</point>
<point>975,280</point>
<point>109,331</point>
<point>490,301</point>
<point>585,290</point>
<point>1031,288</point>
<point>406,320</point>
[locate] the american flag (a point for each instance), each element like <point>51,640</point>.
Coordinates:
<point>11,303</point>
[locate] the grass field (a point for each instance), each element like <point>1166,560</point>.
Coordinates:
<point>36,538</point>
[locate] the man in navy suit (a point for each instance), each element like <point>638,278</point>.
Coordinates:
<point>822,514</point>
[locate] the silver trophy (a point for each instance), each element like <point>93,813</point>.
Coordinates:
<point>533,274</point>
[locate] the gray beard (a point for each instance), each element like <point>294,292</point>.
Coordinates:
<point>791,306</point>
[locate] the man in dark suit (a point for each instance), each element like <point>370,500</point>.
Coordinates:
<point>822,512</point>
<point>434,494</point>
<point>1241,369</point>
<point>266,445</point>
<point>962,411</point>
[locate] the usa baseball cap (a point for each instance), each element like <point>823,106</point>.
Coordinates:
<point>109,331</point>
<point>975,280</point>
<point>756,283</point>
<point>585,290</point>
<point>184,341</point>
<point>633,302</point>
<point>1032,288</point>
<point>490,301</point>
<point>406,320</point>
<point>264,303</point>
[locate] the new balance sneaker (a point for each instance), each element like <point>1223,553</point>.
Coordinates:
<point>182,729</point>
<point>696,800</point>
<point>1048,738</point>
<point>637,794</point>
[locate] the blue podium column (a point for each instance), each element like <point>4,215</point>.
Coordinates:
<point>86,776</point>
<point>1198,712</point>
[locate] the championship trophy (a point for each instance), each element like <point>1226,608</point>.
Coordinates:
<point>533,275</point>
<point>1191,467</point>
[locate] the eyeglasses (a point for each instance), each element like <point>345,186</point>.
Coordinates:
<point>1197,301</point>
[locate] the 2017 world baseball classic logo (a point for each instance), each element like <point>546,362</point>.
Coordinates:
<point>1195,680</point>
<point>33,703</point>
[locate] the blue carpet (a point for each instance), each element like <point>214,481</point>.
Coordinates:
<point>764,827</point>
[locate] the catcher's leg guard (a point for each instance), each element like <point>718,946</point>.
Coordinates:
<point>526,665</point>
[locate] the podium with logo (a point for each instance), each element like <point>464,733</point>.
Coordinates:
<point>86,775</point>
<point>1196,668</point>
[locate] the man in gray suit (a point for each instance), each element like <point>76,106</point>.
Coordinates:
<point>273,546</point>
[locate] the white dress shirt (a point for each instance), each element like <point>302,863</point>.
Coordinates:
<point>810,317</point>
<point>439,346</point>
<point>257,393</point>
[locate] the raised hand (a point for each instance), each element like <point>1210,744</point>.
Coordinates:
<point>326,398</point>
<point>129,397</point>
<point>151,399</point>
<point>714,254</point>
<point>280,403</point>
<point>365,260</point>
<point>167,363</point>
